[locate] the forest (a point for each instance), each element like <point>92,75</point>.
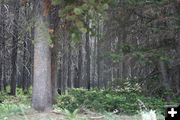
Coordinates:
<point>89,59</point>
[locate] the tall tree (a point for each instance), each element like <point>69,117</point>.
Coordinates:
<point>26,78</point>
<point>42,92</point>
<point>54,20</point>
<point>79,69</point>
<point>14,45</point>
<point>88,65</point>
<point>1,44</point>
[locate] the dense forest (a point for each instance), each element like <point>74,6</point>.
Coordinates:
<point>97,55</point>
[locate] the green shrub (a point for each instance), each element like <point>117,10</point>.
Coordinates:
<point>67,102</point>
<point>107,100</point>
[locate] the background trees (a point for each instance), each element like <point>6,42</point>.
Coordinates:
<point>94,44</point>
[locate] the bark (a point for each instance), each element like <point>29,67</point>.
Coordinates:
<point>42,91</point>
<point>98,57</point>
<point>69,64</point>
<point>54,51</point>
<point>26,57</point>
<point>164,74</point>
<point>79,70</point>
<point>54,72</point>
<point>2,45</point>
<point>94,62</point>
<point>87,47</point>
<point>26,71</point>
<point>64,64</point>
<point>14,51</point>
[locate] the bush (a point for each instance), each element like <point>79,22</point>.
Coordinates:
<point>107,100</point>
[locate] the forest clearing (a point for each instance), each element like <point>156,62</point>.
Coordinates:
<point>89,59</point>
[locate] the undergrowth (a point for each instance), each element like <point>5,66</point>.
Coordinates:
<point>107,100</point>
<point>13,105</point>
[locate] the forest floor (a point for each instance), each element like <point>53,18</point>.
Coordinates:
<point>30,114</point>
<point>19,108</point>
<point>54,116</point>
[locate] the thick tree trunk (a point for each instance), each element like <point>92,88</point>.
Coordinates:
<point>42,91</point>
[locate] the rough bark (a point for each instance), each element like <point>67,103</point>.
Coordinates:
<point>42,91</point>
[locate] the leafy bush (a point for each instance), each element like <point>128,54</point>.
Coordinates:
<point>107,100</point>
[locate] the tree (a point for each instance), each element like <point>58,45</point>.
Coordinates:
<point>42,92</point>
<point>2,40</point>
<point>88,59</point>
<point>14,52</point>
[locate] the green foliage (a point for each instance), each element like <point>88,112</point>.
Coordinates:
<point>56,2</point>
<point>79,13</point>
<point>19,98</point>
<point>128,85</point>
<point>73,115</point>
<point>9,109</point>
<point>143,55</point>
<point>107,100</point>
<point>3,97</point>
<point>11,105</point>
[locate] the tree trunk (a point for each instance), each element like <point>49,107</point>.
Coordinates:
<point>69,65</point>
<point>54,19</point>
<point>164,74</point>
<point>98,56</point>
<point>42,91</point>
<point>88,61</point>
<point>27,56</point>
<point>79,70</point>
<point>2,45</point>
<point>14,51</point>
<point>54,71</point>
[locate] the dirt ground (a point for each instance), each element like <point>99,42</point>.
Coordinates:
<point>31,115</point>
<point>85,115</point>
<point>34,115</point>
